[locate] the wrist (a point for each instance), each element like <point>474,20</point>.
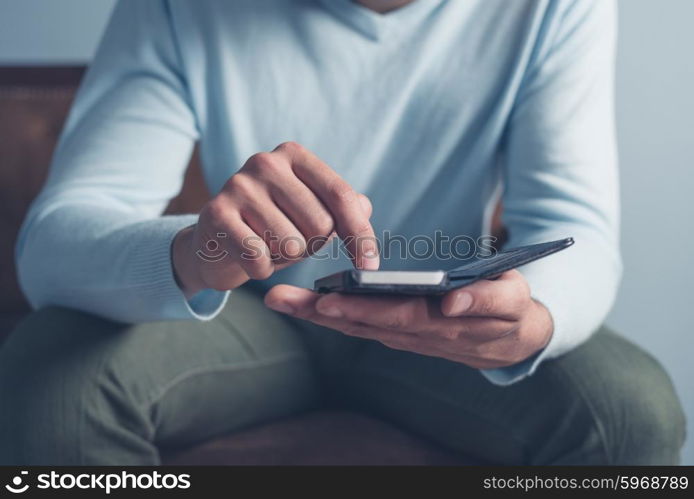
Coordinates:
<point>184,264</point>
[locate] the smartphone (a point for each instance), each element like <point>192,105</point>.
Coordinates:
<point>436,282</point>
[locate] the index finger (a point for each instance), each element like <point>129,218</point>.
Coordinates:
<point>351,222</point>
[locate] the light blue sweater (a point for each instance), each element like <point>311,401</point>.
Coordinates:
<point>427,110</point>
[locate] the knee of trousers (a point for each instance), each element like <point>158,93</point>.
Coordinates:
<point>59,382</point>
<point>635,414</point>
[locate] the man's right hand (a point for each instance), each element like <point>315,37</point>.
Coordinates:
<point>279,208</point>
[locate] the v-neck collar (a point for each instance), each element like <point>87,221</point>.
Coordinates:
<point>376,25</point>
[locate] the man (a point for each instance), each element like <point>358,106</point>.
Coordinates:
<point>392,115</point>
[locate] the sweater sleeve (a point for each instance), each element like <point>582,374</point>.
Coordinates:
<point>95,239</point>
<point>560,174</point>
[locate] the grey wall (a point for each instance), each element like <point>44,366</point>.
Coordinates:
<point>50,31</point>
<point>655,110</point>
<point>656,119</point>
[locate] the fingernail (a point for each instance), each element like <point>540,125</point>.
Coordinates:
<point>369,260</point>
<point>285,308</point>
<point>462,302</point>
<point>328,310</point>
<point>332,312</point>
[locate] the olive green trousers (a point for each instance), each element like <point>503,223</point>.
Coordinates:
<point>78,389</point>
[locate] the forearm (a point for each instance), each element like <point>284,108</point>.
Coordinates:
<point>107,262</point>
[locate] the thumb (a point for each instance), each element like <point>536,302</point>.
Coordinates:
<point>292,300</point>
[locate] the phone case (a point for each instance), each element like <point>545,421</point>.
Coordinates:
<point>437,281</point>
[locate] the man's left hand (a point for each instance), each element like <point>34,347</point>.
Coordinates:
<point>486,325</point>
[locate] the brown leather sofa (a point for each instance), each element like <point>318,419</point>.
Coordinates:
<point>33,106</point>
